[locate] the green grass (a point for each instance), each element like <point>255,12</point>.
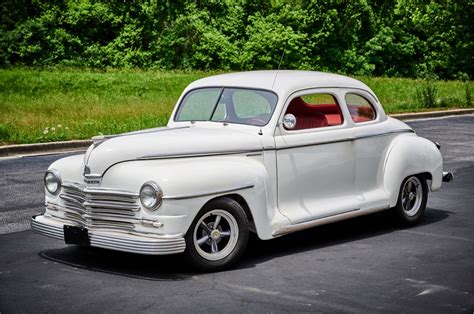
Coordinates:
<point>63,104</point>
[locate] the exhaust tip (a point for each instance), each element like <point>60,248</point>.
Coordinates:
<point>448,176</point>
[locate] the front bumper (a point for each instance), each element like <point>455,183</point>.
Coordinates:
<point>148,244</point>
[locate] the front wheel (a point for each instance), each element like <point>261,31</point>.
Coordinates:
<point>218,235</point>
<point>412,201</point>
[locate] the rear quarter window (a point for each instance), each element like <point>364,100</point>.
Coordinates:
<point>360,108</point>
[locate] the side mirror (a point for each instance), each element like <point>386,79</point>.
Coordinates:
<point>289,121</point>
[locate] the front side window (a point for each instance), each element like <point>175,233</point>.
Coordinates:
<point>360,108</point>
<point>232,105</point>
<point>315,111</point>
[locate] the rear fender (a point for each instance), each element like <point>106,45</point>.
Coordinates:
<point>409,155</point>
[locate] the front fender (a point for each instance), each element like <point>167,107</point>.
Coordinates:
<point>409,155</point>
<point>189,183</point>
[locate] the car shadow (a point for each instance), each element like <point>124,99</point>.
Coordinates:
<point>173,267</point>
<point>159,268</point>
<point>330,235</point>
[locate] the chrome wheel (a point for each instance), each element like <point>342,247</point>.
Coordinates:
<point>412,196</point>
<point>215,235</point>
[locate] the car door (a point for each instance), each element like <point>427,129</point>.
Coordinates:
<point>315,160</point>
<point>371,142</point>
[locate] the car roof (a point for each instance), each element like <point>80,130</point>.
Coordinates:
<point>282,82</point>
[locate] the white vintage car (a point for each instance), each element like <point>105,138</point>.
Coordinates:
<point>270,152</point>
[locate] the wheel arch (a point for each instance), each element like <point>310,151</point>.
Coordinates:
<point>242,202</point>
<point>411,155</point>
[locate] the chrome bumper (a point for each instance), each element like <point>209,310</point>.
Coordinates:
<point>448,176</point>
<point>125,242</point>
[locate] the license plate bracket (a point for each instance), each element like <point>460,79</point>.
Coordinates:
<point>76,235</point>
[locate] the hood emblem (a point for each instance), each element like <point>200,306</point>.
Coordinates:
<point>91,178</point>
<point>87,170</point>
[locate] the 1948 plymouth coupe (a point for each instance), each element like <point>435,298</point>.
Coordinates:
<point>270,152</point>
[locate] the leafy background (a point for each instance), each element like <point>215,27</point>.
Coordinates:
<point>408,38</point>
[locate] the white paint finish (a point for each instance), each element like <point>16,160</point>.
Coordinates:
<point>298,179</point>
<point>316,180</point>
<point>193,140</point>
<point>410,154</point>
<point>371,145</point>
<point>202,176</point>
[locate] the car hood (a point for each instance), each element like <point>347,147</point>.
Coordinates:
<point>163,143</point>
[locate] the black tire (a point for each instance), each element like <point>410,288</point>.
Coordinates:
<point>219,251</point>
<point>409,212</point>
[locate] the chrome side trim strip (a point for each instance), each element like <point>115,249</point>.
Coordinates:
<point>325,220</point>
<point>312,144</point>
<point>348,139</point>
<point>208,154</point>
<point>181,197</point>
<point>188,155</point>
<point>386,133</point>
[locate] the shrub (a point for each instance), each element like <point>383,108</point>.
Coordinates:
<point>6,132</point>
<point>468,94</point>
<point>364,37</point>
<point>427,94</point>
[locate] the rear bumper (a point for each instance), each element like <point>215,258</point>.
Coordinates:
<point>118,241</point>
<point>448,176</point>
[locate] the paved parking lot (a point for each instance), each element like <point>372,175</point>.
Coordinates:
<point>360,265</point>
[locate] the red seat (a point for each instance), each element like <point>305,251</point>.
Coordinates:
<point>334,118</point>
<point>316,120</point>
<point>310,116</point>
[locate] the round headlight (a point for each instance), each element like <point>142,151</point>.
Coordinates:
<point>151,195</point>
<point>52,181</point>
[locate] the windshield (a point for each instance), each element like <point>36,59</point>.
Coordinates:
<point>232,105</point>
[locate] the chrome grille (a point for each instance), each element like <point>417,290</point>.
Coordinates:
<point>99,207</point>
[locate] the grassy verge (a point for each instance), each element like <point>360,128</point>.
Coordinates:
<point>63,104</point>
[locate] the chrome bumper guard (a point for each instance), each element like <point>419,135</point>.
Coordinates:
<point>448,176</point>
<point>132,243</point>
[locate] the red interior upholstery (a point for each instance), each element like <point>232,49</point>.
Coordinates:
<point>360,119</point>
<point>314,116</point>
<point>361,113</point>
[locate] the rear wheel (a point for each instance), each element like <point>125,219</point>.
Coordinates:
<point>412,200</point>
<point>218,235</point>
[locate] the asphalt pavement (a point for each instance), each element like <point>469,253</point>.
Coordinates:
<point>359,265</point>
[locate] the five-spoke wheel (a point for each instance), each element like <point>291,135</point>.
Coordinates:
<point>411,201</point>
<point>412,195</point>
<point>218,235</point>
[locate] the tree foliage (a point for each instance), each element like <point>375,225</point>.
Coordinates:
<point>412,38</point>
